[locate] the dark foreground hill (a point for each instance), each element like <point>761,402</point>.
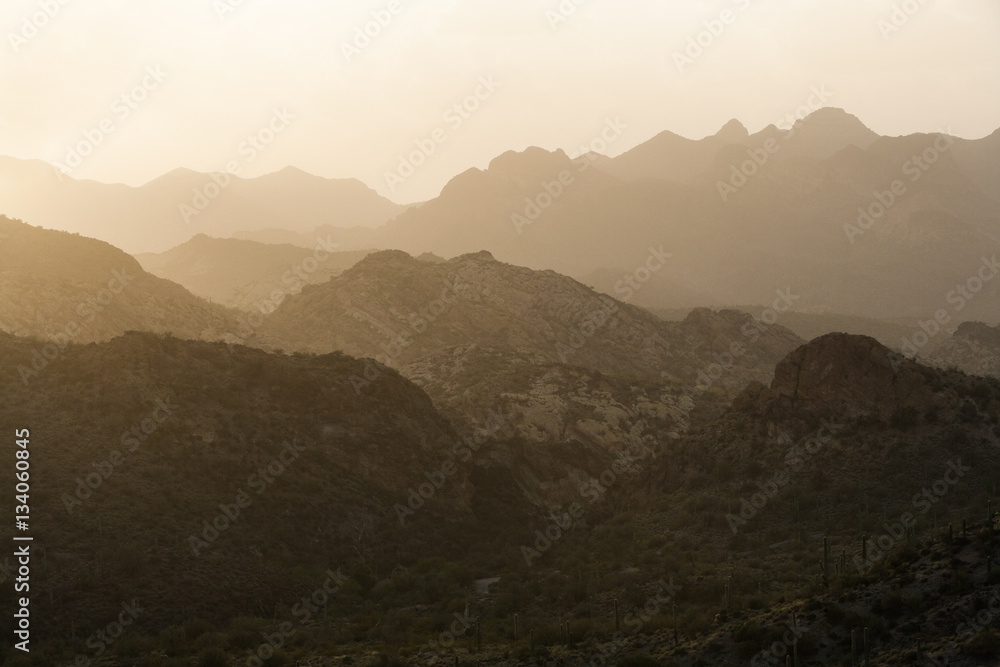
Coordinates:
<point>847,441</point>
<point>214,483</point>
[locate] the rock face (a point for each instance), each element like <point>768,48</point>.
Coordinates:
<point>973,348</point>
<point>848,375</point>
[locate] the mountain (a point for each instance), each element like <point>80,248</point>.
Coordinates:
<point>973,348</point>
<point>171,209</point>
<point>218,465</point>
<point>810,209</point>
<point>853,451</point>
<point>872,424</point>
<point>557,380</point>
<point>245,274</point>
<point>70,289</point>
<point>673,158</point>
<point>399,310</point>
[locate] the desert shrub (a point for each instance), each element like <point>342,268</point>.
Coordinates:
<point>985,645</point>
<point>212,657</point>
<point>905,418</point>
<point>638,660</point>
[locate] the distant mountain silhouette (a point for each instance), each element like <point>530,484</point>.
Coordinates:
<point>742,215</point>
<point>245,274</point>
<point>174,207</point>
<point>853,223</point>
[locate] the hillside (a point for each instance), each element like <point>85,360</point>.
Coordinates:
<point>398,310</point>
<point>67,288</point>
<point>742,215</point>
<point>248,275</point>
<point>196,427</point>
<point>973,348</point>
<point>171,209</point>
<point>570,380</point>
<point>639,543</point>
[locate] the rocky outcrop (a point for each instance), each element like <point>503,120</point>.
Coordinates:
<point>848,375</point>
<point>973,348</point>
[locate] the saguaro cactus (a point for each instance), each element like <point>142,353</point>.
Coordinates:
<point>674,606</point>
<point>826,562</point>
<point>795,641</point>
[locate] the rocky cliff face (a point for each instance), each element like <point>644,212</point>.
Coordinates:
<point>849,376</point>
<point>973,348</point>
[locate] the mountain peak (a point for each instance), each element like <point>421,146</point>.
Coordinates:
<point>835,117</point>
<point>482,255</point>
<point>734,130</point>
<point>848,375</point>
<point>531,159</point>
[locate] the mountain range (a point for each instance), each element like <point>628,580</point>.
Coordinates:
<point>173,208</point>
<point>855,223</point>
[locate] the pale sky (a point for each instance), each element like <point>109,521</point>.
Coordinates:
<point>223,77</point>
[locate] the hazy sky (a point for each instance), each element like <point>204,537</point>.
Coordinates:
<point>223,70</point>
